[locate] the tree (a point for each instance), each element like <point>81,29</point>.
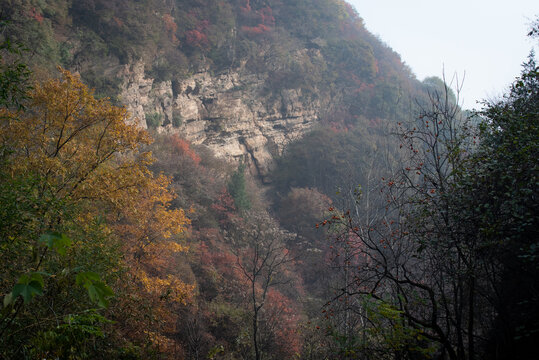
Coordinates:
<point>14,73</point>
<point>300,210</point>
<point>236,188</point>
<point>262,258</point>
<point>416,266</point>
<point>503,182</point>
<point>73,179</point>
<point>438,266</point>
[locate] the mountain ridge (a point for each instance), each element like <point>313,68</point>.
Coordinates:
<point>287,65</point>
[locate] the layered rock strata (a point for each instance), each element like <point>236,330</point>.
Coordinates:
<point>234,114</point>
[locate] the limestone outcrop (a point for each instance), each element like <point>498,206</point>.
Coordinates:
<point>233,113</point>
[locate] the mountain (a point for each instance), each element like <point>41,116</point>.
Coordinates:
<point>264,114</point>
<point>242,77</point>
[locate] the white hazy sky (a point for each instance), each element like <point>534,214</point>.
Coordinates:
<point>485,39</point>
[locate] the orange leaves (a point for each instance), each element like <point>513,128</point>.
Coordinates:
<point>198,37</point>
<point>182,146</point>
<point>255,30</point>
<point>85,152</point>
<point>35,14</point>
<point>83,149</point>
<point>264,18</point>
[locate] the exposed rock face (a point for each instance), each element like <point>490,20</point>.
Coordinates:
<point>234,114</point>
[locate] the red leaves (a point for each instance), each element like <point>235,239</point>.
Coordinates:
<point>226,210</point>
<point>264,18</point>
<point>182,146</point>
<point>255,30</point>
<point>196,38</point>
<point>119,23</point>
<point>36,15</point>
<point>171,27</point>
<point>247,8</point>
<point>282,317</point>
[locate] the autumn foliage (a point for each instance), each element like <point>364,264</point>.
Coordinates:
<point>83,166</point>
<point>263,18</point>
<point>197,37</point>
<point>114,246</point>
<point>182,147</point>
<point>171,28</point>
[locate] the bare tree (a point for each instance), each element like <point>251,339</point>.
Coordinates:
<point>262,257</point>
<point>415,262</point>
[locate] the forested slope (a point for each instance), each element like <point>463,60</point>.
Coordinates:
<point>244,78</point>
<point>253,179</point>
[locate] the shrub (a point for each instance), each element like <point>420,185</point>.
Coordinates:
<point>154,119</point>
<point>177,119</point>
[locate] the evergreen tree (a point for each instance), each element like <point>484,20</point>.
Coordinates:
<point>236,188</point>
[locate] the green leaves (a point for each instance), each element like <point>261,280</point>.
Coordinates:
<point>236,188</point>
<point>28,286</point>
<point>14,73</point>
<point>97,290</point>
<point>56,241</point>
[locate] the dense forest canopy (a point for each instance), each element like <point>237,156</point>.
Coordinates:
<point>398,226</point>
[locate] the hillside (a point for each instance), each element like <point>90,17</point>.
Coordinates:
<point>254,179</point>
<point>241,77</point>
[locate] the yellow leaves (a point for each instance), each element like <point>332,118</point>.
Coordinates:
<point>164,343</point>
<point>83,149</point>
<point>169,288</point>
<point>72,140</point>
<point>80,152</point>
<point>146,216</point>
<point>172,221</point>
<point>175,247</point>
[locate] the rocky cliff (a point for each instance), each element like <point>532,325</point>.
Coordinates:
<point>231,113</point>
<point>242,77</point>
